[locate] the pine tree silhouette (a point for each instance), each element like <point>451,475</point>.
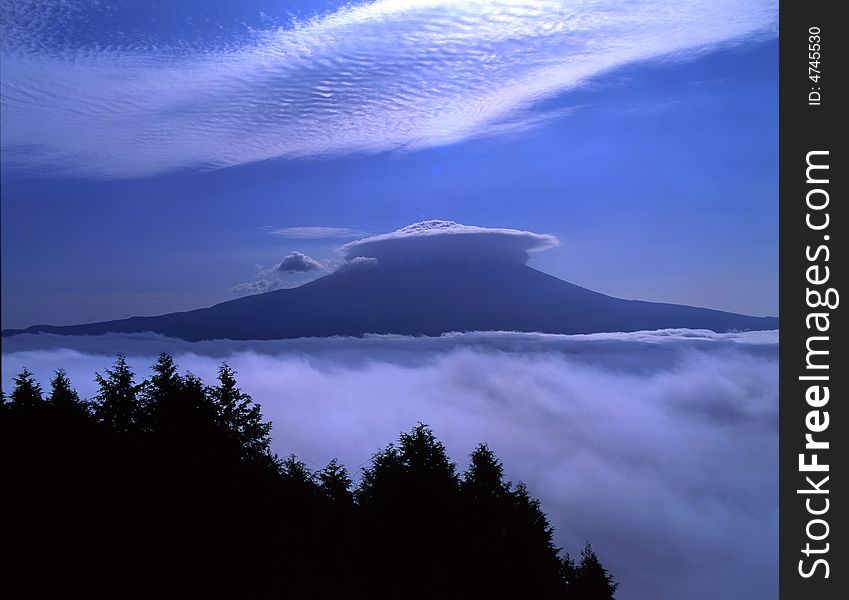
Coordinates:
<point>162,395</point>
<point>411,527</point>
<point>241,417</point>
<point>483,481</point>
<point>592,581</point>
<point>117,405</point>
<point>296,473</point>
<point>27,394</point>
<point>335,484</point>
<point>64,398</point>
<point>414,484</point>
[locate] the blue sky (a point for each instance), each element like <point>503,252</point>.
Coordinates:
<point>151,157</point>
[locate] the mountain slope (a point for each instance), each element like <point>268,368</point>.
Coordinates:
<point>427,298</point>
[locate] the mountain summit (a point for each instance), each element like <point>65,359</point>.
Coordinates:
<point>426,279</point>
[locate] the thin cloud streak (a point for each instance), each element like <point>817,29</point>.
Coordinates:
<point>315,233</point>
<point>383,76</point>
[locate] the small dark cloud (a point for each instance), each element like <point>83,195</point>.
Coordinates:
<point>297,262</point>
<point>447,240</point>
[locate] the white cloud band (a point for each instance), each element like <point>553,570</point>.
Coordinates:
<point>380,76</point>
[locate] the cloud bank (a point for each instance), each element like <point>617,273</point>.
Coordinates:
<point>448,240</point>
<point>659,447</point>
<point>377,76</point>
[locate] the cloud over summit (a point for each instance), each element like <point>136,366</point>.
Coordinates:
<point>437,239</point>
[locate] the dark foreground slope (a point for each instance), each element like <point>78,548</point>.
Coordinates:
<point>162,465</point>
<point>422,299</point>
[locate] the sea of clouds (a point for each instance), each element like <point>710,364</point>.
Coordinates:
<point>658,447</point>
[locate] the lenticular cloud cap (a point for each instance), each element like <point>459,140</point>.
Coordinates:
<point>448,240</point>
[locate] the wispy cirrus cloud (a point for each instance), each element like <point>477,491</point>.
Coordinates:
<point>385,75</point>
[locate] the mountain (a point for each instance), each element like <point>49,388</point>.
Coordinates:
<point>423,298</point>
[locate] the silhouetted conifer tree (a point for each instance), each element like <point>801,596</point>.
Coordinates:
<point>117,405</point>
<point>335,484</point>
<point>569,573</point>
<point>506,533</point>
<point>486,503</point>
<point>415,484</point>
<point>27,393</point>
<point>417,468</point>
<point>163,396</point>
<point>412,527</point>
<point>538,532</point>
<point>425,459</point>
<point>592,581</point>
<point>64,398</point>
<point>381,478</point>
<point>25,437</point>
<point>241,417</point>
<point>197,414</point>
<point>340,524</point>
<point>483,482</point>
<point>298,473</point>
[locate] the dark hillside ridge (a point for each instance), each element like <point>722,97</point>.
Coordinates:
<point>424,298</point>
